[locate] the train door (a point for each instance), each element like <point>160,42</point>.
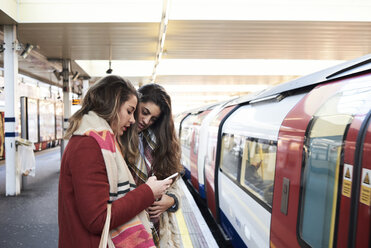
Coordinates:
<point>203,146</point>
<point>178,123</point>
<point>193,157</point>
<point>195,148</point>
<point>354,211</point>
<point>211,156</point>
<point>335,196</point>
<point>321,177</point>
<point>361,236</point>
<point>185,141</point>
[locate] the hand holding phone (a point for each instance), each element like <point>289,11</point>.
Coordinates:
<point>172,176</point>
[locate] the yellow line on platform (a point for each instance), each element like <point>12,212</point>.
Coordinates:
<point>186,239</point>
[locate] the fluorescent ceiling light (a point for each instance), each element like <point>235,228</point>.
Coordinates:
<point>88,11</point>
<point>124,68</point>
<point>242,66</point>
<point>291,10</point>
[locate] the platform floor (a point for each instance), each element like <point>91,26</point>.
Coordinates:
<point>31,218</point>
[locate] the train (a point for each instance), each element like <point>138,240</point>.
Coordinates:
<point>39,112</point>
<point>289,166</point>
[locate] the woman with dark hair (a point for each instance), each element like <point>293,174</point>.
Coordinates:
<point>98,202</point>
<point>160,156</point>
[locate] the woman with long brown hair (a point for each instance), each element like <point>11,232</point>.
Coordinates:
<point>160,156</point>
<point>98,201</point>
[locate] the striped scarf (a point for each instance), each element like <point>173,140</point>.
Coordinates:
<point>143,166</point>
<point>136,233</point>
<point>143,169</point>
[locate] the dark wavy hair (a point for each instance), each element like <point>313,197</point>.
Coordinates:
<point>166,156</point>
<point>105,98</point>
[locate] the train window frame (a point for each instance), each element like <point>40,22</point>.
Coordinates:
<point>241,168</point>
<point>338,181</point>
<point>269,162</point>
<point>225,169</point>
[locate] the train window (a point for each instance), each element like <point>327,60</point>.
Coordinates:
<point>2,147</point>
<point>195,140</point>
<point>59,120</point>
<point>258,166</point>
<point>47,120</point>
<point>33,127</point>
<point>320,178</point>
<point>231,154</point>
<point>184,137</point>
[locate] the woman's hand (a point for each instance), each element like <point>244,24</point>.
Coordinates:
<point>158,207</point>
<point>158,187</point>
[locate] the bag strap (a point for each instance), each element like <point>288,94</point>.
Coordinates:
<point>105,238</point>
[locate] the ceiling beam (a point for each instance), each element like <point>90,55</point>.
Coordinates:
<point>161,37</point>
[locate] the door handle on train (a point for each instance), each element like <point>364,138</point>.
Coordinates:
<point>285,195</point>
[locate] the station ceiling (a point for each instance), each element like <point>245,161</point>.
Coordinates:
<point>196,38</point>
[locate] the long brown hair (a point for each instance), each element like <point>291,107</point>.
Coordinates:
<point>105,98</point>
<point>166,155</point>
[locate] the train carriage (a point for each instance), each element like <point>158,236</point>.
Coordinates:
<point>291,166</point>
<point>190,139</point>
<point>247,169</point>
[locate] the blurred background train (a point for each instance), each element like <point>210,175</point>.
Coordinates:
<point>39,111</point>
<point>289,166</point>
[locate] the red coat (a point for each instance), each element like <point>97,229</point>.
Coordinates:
<point>84,192</point>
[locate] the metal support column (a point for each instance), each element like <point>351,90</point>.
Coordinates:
<point>12,186</point>
<point>66,100</point>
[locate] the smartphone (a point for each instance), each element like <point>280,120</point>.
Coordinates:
<point>172,176</point>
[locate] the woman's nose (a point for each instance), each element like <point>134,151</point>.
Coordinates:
<point>146,120</point>
<point>132,119</point>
